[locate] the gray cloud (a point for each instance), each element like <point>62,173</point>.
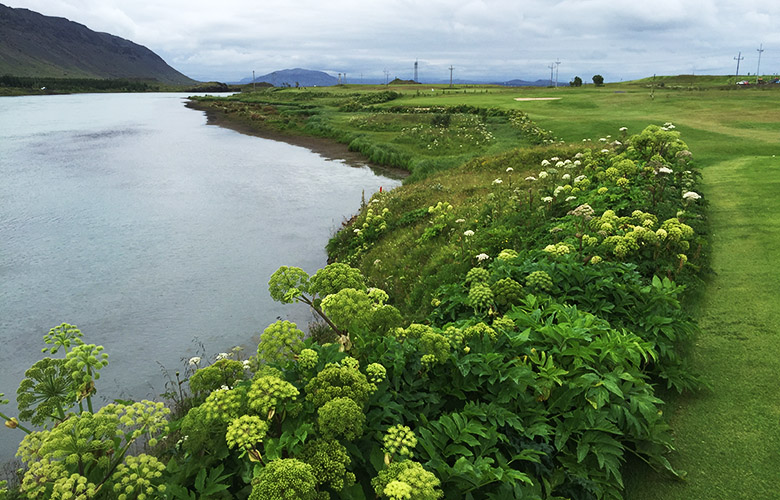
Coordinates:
<point>497,39</point>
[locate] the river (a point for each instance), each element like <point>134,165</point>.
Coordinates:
<point>153,232</point>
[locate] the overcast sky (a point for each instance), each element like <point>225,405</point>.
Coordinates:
<point>492,39</point>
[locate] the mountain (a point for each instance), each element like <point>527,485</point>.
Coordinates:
<point>299,76</point>
<point>35,45</point>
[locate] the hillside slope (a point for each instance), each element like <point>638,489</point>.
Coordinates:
<point>32,44</point>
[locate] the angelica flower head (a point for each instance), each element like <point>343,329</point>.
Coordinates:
<point>497,181</point>
<point>690,195</point>
<point>482,256</point>
<point>468,233</point>
<point>194,361</point>
<point>509,169</point>
<point>530,178</point>
<point>543,174</point>
<point>665,170</point>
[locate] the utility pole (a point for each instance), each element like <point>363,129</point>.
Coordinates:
<point>253,80</point>
<point>738,58</point>
<point>760,49</point>
<point>552,67</point>
<point>451,68</point>
<point>557,63</point>
<point>387,77</point>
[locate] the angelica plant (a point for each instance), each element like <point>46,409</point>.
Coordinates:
<point>268,393</point>
<point>336,381</point>
<point>83,362</point>
<point>329,461</point>
<point>341,417</point>
<point>399,441</point>
<point>420,484</point>
<point>79,457</point>
<point>282,340</point>
<point>61,337</point>
<point>225,372</point>
<point>284,478</point>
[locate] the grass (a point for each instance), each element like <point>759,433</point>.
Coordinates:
<point>728,438</point>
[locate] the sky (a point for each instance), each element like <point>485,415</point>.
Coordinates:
<point>485,40</point>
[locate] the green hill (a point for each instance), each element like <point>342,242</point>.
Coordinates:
<point>34,45</point>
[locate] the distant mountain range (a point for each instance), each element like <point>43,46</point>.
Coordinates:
<point>296,77</point>
<point>35,45</point>
<point>311,78</point>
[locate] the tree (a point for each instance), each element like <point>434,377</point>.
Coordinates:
<point>598,80</point>
<point>577,82</point>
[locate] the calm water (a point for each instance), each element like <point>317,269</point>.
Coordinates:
<point>130,217</point>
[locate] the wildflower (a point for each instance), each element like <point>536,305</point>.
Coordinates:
<point>545,163</point>
<point>554,158</point>
<point>577,163</point>
<point>579,178</point>
<point>510,169</point>
<point>530,178</point>
<point>602,139</point>
<point>543,174</point>
<point>566,177</point>
<point>194,361</point>
<point>669,126</point>
<point>497,181</point>
<point>690,195</point>
<point>482,256</point>
<point>605,150</point>
<point>460,221</point>
<point>560,164</point>
<point>584,210</point>
<point>665,170</point>
<point>616,143</point>
<point>222,355</point>
<point>623,129</point>
<point>468,233</point>
<point>547,199</point>
<point>571,198</point>
<point>577,156</point>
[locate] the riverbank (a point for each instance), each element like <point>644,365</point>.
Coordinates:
<point>327,148</point>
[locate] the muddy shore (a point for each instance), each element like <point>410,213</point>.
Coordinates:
<point>326,148</point>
